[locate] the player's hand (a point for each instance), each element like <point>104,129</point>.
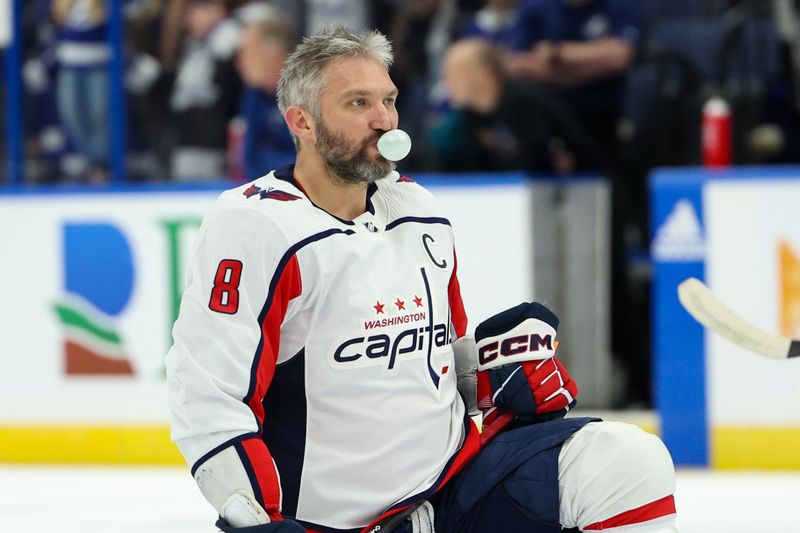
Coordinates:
<point>518,372</point>
<point>279,526</point>
<point>535,391</point>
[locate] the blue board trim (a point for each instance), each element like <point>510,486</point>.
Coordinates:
<point>428,180</point>
<point>682,177</point>
<point>116,188</point>
<point>679,369</point>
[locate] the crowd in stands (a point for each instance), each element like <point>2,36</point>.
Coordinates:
<point>547,86</point>
<point>585,82</point>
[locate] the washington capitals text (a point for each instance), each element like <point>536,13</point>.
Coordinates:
<point>382,345</point>
<point>391,321</point>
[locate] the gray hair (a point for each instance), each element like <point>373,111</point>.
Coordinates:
<point>301,83</point>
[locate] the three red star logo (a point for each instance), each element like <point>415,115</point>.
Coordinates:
<point>400,304</point>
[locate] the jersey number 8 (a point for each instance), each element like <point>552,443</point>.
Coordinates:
<point>225,294</point>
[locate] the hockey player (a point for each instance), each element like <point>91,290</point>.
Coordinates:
<point>321,338</point>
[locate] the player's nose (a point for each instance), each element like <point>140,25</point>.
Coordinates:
<point>382,119</point>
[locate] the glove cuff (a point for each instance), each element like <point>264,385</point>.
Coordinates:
<point>530,340</point>
<point>502,322</point>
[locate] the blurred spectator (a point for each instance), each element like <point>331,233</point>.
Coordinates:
<point>292,10</point>
<point>143,24</point>
<point>83,53</point>
<point>352,14</point>
<point>421,32</point>
<point>514,124</point>
<point>581,49</point>
<point>787,20</point>
<point>249,11</point>
<point>56,154</point>
<point>45,140</point>
<point>497,21</point>
<point>146,92</point>
<point>310,16</point>
<point>172,33</point>
<point>205,92</point>
<point>786,113</point>
<point>267,142</point>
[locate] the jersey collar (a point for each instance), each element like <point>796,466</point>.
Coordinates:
<point>286,173</point>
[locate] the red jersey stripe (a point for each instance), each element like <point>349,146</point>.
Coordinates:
<point>649,511</point>
<point>289,286</point>
<point>265,474</point>
<point>458,316</point>
<point>471,447</point>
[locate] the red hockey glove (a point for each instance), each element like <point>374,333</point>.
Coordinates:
<point>518,372</point>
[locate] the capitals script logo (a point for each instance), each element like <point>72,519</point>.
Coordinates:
<point>383,349</point>
<point>384,342</point>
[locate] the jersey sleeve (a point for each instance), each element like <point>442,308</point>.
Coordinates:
<point>240,282</point>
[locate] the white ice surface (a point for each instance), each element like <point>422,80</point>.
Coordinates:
<point>50,499</point>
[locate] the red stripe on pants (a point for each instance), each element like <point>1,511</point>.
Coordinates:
<point>649,511</point>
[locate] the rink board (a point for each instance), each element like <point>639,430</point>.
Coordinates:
<point>90,286</point>
<point>739,231</point>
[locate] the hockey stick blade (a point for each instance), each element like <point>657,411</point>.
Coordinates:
<point>701,303</point>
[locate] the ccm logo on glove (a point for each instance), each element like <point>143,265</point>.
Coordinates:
<point>518,372</point>
<point>531,339</point>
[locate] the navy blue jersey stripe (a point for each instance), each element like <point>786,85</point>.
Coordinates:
<point>418,220</point>
<point>370,191</point>
<point>286,173</point>
<point>285,427</point>
<point>434,375</point>
<point>325,529</point>
<point>264,310</point>
<point>251,472</point>
<point>219,448</point>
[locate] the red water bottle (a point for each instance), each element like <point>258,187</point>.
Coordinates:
<point>717,133</point>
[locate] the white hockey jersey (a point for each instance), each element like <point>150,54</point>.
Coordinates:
<point>320,349</point>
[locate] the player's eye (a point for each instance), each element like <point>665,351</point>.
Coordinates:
<point>358,102</point>
<point>389,101</point>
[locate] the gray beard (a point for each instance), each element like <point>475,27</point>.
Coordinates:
<point>360,167</point>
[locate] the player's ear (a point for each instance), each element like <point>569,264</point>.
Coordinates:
<point>300,123</point>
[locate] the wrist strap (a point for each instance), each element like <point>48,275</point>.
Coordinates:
<point>422,519</point>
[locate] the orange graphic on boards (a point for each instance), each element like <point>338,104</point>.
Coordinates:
<point>789,286</point>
